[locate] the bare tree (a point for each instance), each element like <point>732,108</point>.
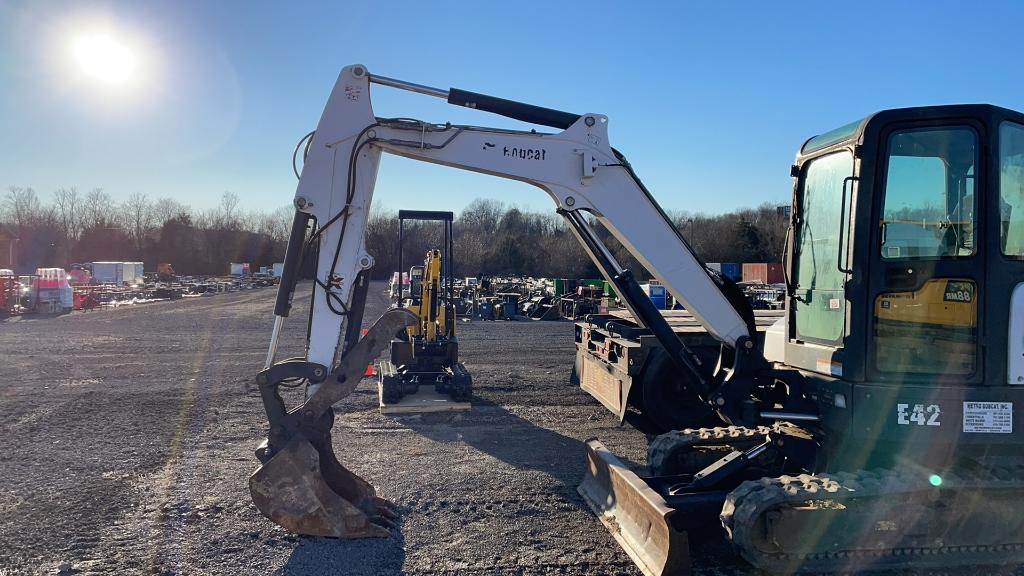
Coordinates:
<point>482,213</point>
<point>165,209</point>
<point>228,216</point>
<point>138,216</point>
<point>282,218</point>
<point>22,207</point>
<point>98,210</point>
<point>68,203</point>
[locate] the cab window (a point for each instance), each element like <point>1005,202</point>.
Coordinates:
<point>1011,188</point>
<point>820,300</point>
<point>929,209</point>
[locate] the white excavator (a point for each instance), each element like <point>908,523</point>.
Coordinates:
<point>876,366</point>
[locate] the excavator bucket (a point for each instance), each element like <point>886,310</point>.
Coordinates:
<point>636,515</point>
<point>301,485</point>
<point>304,489</point>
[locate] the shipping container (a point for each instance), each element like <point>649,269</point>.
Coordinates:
<point>277,269</point>
<point>732,271</point>
<point>716,266</point>
<point>657,294</point>
<point>239,268</point>
<point>765,273</point>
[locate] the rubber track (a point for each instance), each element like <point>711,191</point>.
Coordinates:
<point>739,437</point>
<point>748,502</point>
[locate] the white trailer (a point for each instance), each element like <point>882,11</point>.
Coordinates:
<point>108,272</point>
<point>137,270</point>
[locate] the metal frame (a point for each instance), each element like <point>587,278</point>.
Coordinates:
<point>447,254</point>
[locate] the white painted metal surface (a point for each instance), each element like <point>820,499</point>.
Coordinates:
<point>1015,343</point>
<point>576,167</point>
<point>775,341</point>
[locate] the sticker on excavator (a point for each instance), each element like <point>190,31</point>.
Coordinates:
<point>988,417</point>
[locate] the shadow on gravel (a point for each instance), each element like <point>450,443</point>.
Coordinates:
<point>509,438</point>
<point>369,557</point>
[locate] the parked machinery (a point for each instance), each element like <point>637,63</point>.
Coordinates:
<point>427,354</point>
<point>10,293</point>
<point>870,427</point>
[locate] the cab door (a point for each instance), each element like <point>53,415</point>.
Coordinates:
<point>927,260</point>
<point>817,302</point>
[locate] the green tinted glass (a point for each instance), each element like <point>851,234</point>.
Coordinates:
<point>1011,188</point>
<point>821,306</point>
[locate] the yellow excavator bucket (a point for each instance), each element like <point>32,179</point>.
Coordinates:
<point>300,484</point>
<point>636,515</point>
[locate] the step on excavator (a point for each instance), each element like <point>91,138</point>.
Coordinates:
<point>871,427</point>
<point>427,354</point>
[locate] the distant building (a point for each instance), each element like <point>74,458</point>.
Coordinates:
<point>8,243</point>
<point>783,211</point>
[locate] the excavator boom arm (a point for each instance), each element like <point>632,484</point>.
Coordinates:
<point>576,167</point>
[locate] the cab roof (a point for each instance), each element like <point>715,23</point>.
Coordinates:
<point>855,130</point>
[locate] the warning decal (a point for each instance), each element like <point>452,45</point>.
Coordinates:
<point>990,417</point>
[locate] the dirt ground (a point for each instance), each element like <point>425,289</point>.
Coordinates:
<point>127,439</point>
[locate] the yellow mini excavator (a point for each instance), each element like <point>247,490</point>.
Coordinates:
<point>873,426</point>
<point>428,352</point>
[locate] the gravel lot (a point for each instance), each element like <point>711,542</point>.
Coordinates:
<point>127,439</point>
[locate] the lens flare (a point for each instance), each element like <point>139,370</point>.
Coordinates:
<point>103,58</point>
<point>935,480</point>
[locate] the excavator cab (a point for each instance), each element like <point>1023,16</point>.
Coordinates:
<point>896,288</point>
<point>892,441</point>
<point>415,284</point>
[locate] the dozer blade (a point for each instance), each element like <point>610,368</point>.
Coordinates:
<point>636,515</point>
<point>301,485</point>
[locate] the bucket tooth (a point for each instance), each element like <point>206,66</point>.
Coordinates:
<point>304,489</point>
<point>637,516</point>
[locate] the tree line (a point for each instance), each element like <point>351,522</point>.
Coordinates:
<point>490,237</point>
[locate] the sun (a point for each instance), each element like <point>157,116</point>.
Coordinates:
<point>103,58</point>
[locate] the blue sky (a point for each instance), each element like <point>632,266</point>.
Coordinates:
<point>709,100</point>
